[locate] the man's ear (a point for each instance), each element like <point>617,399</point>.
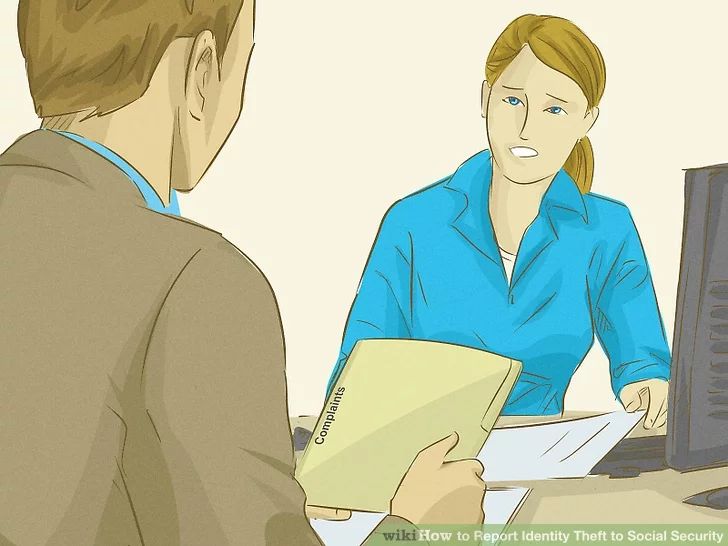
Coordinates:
<point>484,94</point>
<point>591,118</point>
<point>202,74</point>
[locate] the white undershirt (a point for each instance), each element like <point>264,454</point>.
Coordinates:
<point>509,261</point>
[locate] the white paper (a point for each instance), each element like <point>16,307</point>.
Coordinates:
<point>500,505</point>
<point>565,449</point>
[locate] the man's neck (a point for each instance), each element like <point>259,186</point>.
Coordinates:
<point>142,144</point>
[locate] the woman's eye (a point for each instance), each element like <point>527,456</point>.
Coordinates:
<point>555,110</point>
<point>513,101</point>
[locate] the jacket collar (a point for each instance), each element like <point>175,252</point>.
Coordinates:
<point>471,219</point>
<point>154,202</point>
<point>48,150</point>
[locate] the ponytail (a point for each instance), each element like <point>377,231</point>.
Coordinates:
<point>580,165</point>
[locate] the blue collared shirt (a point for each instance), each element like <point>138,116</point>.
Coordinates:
<point>435,273</point>
<point>148,193</point>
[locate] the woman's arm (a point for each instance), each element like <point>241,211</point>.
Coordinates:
<point>627,318</point>
<point>382,306</point>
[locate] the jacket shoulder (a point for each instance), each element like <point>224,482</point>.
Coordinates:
<point>223,265</point>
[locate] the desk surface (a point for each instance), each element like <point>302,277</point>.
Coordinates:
<point>652,497</point>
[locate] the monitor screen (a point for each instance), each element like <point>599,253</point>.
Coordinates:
<point>697,427</point>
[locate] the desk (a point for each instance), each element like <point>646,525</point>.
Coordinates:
<point>652,497</point>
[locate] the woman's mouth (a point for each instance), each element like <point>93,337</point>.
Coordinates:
<point>523,151</point>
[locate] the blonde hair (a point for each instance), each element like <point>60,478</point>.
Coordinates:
<point>101,54</point>
<point>562,46</point>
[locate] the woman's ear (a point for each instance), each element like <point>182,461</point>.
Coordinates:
<point>484,94</point>
<point>590,118</point>
<point>202,74</point>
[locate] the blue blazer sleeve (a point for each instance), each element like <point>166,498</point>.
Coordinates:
<point>626,316</point>
<point>381,308</point>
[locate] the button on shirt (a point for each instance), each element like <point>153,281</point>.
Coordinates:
<point>435,273</point>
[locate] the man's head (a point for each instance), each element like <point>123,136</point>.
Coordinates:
<point>180,65</point>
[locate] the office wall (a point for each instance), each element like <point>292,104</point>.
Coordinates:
<point>353,104</point>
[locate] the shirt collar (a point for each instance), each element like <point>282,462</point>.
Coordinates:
<point>473,179</point>
<point>150,196</point>
<point>471,182</point>
<point>564,194</point>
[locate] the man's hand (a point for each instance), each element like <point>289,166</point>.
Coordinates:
<point>650,395</point>
<point>323,512</point>
<point>437,492</point>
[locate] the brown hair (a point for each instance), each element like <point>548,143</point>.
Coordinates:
<point>101,54</point>
<point>562,46</point>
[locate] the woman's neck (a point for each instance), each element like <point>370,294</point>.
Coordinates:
<point>513,207</point>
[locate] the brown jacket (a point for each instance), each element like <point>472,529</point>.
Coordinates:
<point>142,374</point>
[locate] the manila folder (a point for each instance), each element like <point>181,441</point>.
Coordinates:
<point>394,398</point>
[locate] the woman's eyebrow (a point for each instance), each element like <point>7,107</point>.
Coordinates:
<point>512,88</point>
<point>557,98</point>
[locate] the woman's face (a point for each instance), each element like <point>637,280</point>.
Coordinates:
<point>534,116</point>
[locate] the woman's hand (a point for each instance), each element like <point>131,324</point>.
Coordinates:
<point>650,395</point>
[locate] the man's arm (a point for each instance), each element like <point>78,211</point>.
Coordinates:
<point>216,392</point>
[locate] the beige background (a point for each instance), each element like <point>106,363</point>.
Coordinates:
<point>353,104</point>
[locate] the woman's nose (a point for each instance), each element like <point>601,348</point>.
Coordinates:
<point>525,125</point>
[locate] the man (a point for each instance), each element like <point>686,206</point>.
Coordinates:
<point>143,395</point>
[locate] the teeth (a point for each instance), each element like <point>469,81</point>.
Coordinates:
<point>523,151</point>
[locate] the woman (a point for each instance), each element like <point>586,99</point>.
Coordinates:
<point>512,253</point>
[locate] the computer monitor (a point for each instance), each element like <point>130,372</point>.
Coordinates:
<point>697,421</point>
